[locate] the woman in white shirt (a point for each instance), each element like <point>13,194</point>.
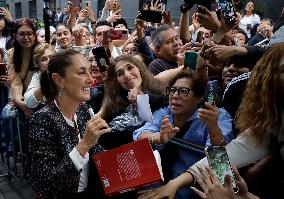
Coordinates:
<point>42,54</point>
<point>249,19</point>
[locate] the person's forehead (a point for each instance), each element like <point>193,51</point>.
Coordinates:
<point>62,28</point>
<point>25,28</point>
<point>167,34</point>
<point>102,28</point>
<point>240,34</point>
<point>120,65</point>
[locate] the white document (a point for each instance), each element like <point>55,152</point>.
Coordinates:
<point>159,163</point>
<point>143,108</point>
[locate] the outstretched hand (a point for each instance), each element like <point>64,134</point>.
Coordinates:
<point>167,131</point>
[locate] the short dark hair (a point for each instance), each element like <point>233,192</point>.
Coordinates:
<point>239,30</point>
<point>58,64</point>
<point>199,80</point>
<point>120,21</point>
<point>157,40</point>
<point>102,23</point>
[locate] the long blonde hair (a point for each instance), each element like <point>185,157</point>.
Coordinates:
<point>259,109</point>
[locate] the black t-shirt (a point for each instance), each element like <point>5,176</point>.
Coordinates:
<point>159,65</point>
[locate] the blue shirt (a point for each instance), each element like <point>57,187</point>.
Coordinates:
<point>197,134</point>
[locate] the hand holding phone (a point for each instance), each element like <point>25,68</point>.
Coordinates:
<point>220,164</point>
<point>151,16</point>
<point>101,58</point>
<point>3,69</point>
<point>88,4</point>
<point>118,34</point>
<point>227,8</point>
<point>115,6</point>
<point>190,60</point>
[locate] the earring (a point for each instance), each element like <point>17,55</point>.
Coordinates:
<point>61,92</point>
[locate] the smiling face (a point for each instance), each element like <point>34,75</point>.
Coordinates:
<point>183,104</point>
<point>77,80</point>
<point>128,75</point>
<point>63,37</point>
<point>25,36</point>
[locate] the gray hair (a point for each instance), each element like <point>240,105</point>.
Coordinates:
<point>157,40</point>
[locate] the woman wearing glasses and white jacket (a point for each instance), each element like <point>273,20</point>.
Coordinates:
<point>185,119</point>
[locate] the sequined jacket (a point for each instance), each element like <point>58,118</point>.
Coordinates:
<point>53,174</point>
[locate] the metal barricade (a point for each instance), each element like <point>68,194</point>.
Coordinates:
<point>13,145</point>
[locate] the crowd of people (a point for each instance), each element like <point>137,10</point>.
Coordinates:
<point>232,97</point>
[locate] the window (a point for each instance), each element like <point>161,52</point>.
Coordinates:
<point>52,5</point>
<point>18,10</point>
<point>101,4</point>
<point>32,9</point>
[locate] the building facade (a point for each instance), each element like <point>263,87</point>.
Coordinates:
<point>34,8</point>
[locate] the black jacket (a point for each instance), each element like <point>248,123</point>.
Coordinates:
<point>53,174</point>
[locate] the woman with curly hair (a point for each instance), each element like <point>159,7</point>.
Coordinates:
<point>260,118</point>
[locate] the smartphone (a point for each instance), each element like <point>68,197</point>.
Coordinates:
<point>76,3</point>
<point>190,60</point>
<point>88,4</point>
<point>115,6</point>
<point>101,58</point>
<point>249,27</point>
<point>228,10</point>
<point>3,69</point>
<point>151,16</point>
<point>206,3</point>
<point>220,164</point>
<point>118,34</point>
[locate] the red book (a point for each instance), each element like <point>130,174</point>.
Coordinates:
<point>128,167</point>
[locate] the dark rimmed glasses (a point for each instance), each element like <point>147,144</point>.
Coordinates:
<point>182,91</point>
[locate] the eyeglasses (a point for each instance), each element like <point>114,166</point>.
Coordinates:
<point>22,34</point>
<point>182,91</point>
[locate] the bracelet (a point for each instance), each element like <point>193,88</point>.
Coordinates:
<point>152,138</point>
<point>221,142</point>
<point>194,180</point>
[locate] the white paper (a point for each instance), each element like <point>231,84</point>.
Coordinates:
<point>159,162</point>
<point>143,108</point>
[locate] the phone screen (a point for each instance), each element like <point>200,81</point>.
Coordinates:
<point>227,8</point>
<point>190,60</point>
<point>151,16</point>
<point>219,163</point>
<point>119,34</point>
<point>88,4</point>
<point>101,58</point>
<point>3,69</point>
